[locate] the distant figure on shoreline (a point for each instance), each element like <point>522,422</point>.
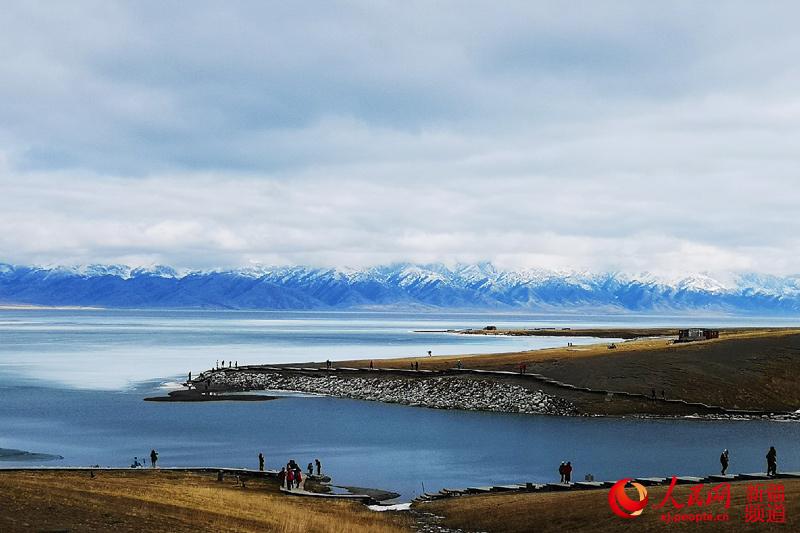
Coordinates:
<point>328,364</point>
<point>430,354</point>
<point>772,462</point>
<point>282,476</point>
<point>216,364</point>
<point>416,365</point>
<point>458,364</point>
<point>136,463</point>
<point>289,478</point>
<point>153,458</point>
<point>190,376</point>
<point>310,469</point>
<point>562,470</point>
<point>723,460</point>
<point>523,368</point>
<point>236,365</point>
<point>223,363</point>
<point>568,472</point>
<point>260,462</point>
<point>319,466</point>
<point>371,366</point>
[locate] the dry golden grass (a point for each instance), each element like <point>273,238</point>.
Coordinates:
<point>158,501</point>
<point>589,511</point>
<point>743,369</point>
<point>510,360</point>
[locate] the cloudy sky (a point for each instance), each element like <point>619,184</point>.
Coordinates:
<point>602,135</point>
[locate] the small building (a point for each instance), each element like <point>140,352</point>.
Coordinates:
<point>697,334</point>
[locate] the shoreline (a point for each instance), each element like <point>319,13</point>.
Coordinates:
<point>746,373</point>
<point>446,391</point>
<point>247,500</point>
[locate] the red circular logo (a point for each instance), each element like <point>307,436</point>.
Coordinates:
<point>621,504</point>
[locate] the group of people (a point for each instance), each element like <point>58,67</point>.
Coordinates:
<point>231,364</point>
<point>565,470</point>
<point>292,475</point>
<point>153,460</point>
<point>772,461</point>
<point>653,394</point>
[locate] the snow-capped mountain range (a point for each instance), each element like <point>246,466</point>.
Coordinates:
<point>399,286</point>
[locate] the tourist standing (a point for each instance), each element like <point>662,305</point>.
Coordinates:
<point>561,470</point>
<point>281,477</point>
<point>319,466</point>
<point>310,469</point>
<point>298,477</point>
<point>723,460</point>
<point>260,462</point>
<point>772,462</point>
<point>568,472</point>
<point>153,458</point>
<point>289,478</point>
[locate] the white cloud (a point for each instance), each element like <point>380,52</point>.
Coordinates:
<point>612,136</point>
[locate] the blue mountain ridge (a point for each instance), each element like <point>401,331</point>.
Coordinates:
<point>398,286</point>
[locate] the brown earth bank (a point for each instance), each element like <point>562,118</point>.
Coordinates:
<point>589,511</point>
<point>753,369</point>
<point>159,501</point>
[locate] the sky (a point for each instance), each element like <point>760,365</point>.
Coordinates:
<point>606,136</point>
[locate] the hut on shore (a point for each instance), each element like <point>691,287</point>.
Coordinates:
<point>697,334</point>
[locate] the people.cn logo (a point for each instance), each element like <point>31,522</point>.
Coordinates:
<point>621,504</point>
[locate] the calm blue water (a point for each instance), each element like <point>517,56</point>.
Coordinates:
<point>57,369</point>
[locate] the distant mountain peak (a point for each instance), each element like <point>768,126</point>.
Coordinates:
<point>434,286</point>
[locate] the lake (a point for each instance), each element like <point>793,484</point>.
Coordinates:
<point>72,384</point>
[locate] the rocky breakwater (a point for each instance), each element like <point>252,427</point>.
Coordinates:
<point>434,392</point>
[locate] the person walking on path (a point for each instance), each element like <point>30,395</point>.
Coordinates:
<point>289,478</point>
<point>568,472</point>
<point>260,462</point>
<point>319,466</point>
<point>298,477</point>
<point>153,458</point>
<point>723,460</point>
<point>772,462</point>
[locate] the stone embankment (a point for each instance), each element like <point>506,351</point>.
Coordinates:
<point>433,392</point>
